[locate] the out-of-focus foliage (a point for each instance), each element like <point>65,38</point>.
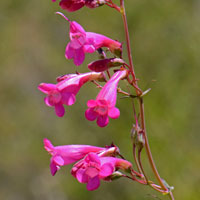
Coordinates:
<point>165,38</point>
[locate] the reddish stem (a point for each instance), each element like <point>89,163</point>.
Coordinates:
<point>151,161</point>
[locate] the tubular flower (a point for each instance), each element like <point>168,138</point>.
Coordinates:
<point>73,5</point>
<point>82,42</point>
<point>104,105</point>
<point>67,154</point>
<point>93,168</point>
<point>64,92</point>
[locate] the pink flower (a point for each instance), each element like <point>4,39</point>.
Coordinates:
<point>82,42</point>
<point>67,154</point>
<point>93,168</point>
<point>104,105</point>
<point>64,92</point>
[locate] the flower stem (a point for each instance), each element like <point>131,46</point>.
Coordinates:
<point>123,12</point>
<point>153,166</point>
<point>141,104</point>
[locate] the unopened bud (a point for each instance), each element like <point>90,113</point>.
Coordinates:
<point>137,137</point>
<point>105,64</point>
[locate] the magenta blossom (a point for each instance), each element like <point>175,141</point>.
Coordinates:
<point>73,5</point>
<point>82,42</point>
<point>64,92</point>
<point>104,105</point>
<point>67,154</point>
<point>93,168</point>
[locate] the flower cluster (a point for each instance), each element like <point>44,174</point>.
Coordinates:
<point>64,92</point>
<point>92,163</point>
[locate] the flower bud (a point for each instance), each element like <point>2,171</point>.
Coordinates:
<point>105,64</point>
<point>137,137</point>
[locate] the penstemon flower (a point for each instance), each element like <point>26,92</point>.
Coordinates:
<point>82,42</point>
<point>64,92</point>
<point>93,168</point>
<point>104,105</point>
<point>67,154</point>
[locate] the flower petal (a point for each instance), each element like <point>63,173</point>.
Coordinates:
<point>58,160</point>
<point>89,49</point>
<point>91,103</point>
<point>69,52</point>
<point>54,168</point>
<point>76,27</point>
<point>68,98</point>
<point>46,87</point>
<point>60,110</point>
<point>47,102</point>
<point>90,114</point>
<point>93,183</point>
<point>93,157</point>
<point>113,113</point>
<point>79,56</point>
<point>81,176</point>
<point>106,170</point>
<point>48,145</point>
<point>102,121</point>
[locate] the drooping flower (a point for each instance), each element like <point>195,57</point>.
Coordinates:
<point>82,42</point>
<point>74,5</point>
<point>67,154</point>
<point>104,105</point>
<point>64,92</point>
<point>93,168</point>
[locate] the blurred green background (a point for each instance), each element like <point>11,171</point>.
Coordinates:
<point>165,38</point>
